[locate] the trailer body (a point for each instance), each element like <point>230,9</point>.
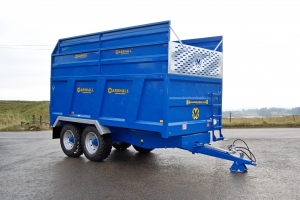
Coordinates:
<point>138,87</point>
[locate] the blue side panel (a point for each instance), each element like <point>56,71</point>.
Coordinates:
<point>190,104</point>
<point>147,59</point>
<point>134,50</point>
<point>62,92</point>
<point>115,99</point>
<point>57,106</point>
<point>146,67</point>
<point>151,103</point>
<point>84,64</point>
<point>139,102</point>
<point>76,44</point>
<point>83,98</point>
<point>135,36</point>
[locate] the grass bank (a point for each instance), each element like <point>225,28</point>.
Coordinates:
<point>24,115</point>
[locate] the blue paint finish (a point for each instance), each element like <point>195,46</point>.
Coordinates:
<point>239,164</point>
<point>134,100</point>
<point>120,78</point>
<point>144,52</point>
<point>99,93</point>
<point>142,67</point>
<point>189,141</point>
<point>115,98</point>
<point>151,107</point>
<point>71,139</point>
<point>238,167</point>
<point>84,97</point>
<point>95,142</point>
<point>57,106</point>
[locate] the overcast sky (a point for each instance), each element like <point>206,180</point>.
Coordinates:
<point>261,42</point>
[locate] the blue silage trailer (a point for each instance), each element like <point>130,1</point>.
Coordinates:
<point>133,86</point>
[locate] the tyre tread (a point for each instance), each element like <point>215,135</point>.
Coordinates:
<point>104,147</point>
<point>76,130</point>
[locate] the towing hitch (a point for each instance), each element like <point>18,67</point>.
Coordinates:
<point>239,162</point>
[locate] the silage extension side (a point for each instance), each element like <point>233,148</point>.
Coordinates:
<point>133,86</point>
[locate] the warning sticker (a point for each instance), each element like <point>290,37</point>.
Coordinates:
<point>189,102</point>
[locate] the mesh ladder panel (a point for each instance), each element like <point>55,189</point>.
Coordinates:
<point>194,61</point>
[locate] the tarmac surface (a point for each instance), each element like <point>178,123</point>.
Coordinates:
<point>33,166</point>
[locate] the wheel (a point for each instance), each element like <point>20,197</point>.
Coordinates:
<point>96,147</point>
<point>121,145</point>
<point>141,149</point>
<point>70,142</point>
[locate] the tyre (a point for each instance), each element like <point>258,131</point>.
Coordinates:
<point>121,145</point>
<point>96,147</point>
<point>70,140</point>
<point>141,149</point>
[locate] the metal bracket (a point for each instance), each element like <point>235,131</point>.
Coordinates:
<point>178,38</point>
<point>238,167</point>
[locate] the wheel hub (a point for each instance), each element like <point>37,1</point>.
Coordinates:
<point>71,139</point>
<point>95,142</point>
<point>68,140</point>
<point>91,142</point>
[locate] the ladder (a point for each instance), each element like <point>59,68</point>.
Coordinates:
<point>216,115</point>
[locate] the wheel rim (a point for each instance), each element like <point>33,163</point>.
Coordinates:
<point>91,142</point>
<point>68,140</point>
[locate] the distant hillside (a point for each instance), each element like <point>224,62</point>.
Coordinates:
<point>263,112</point>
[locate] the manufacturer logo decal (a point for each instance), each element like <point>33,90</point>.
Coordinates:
<point>85,90</point>
<point>198,62</point>
<point>123,51</point>
<point>199,59</point>
<point>117,91</point>
<point>195,113</point>
<point>83,55</point>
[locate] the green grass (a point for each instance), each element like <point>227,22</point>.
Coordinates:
<point>12,113</point>
<point>262,122</point>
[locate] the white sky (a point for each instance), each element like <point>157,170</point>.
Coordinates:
<point>261,42</point>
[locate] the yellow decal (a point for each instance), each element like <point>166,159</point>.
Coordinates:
<point>195,113</point>
<point>85,90</point>
<point>117,91</point>
<point>83,55</point>
<point>124,51</point>
<point>188,102</point>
